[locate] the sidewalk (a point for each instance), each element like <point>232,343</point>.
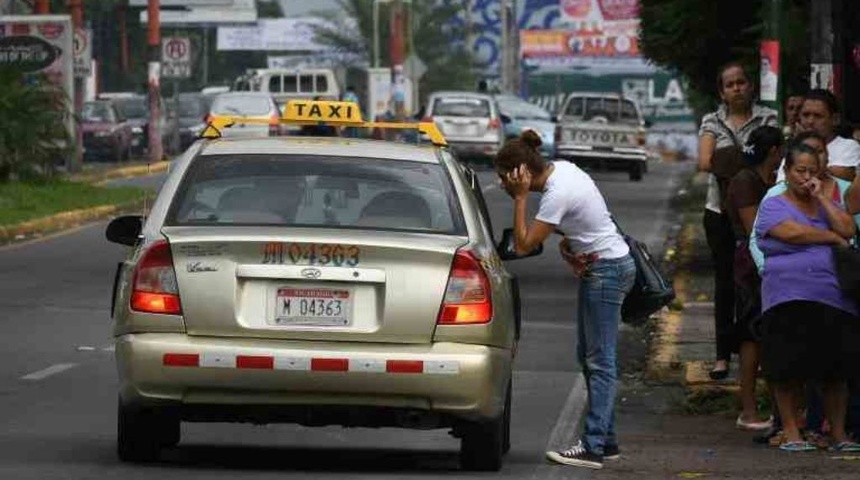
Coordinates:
<point>674,422</point>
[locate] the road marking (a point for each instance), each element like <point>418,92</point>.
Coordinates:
<point>85,348</point>
<point>47,372</point>
<point>565,430</point>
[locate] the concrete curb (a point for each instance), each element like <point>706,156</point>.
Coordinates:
<point>63,220</point>
<point>140,170</point>
<point>664,364</point>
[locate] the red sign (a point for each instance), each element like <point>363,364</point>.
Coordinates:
<point>20,29</point>
<point>619,9</point>
<point>576,8</point>
<point>176,49</point>
<point>51,31</point>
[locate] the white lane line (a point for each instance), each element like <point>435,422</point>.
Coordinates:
<point>489,187</point>
<point>109,348</point>
<point>47,372</point>
<point>564,432</point>
<point>85,348</point>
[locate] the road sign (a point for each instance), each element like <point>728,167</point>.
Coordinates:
<point>176,57</point>
<point>82,52</point>
<point>414,67</point>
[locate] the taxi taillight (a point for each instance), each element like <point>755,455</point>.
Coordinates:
<point>494,124</point>
<point>640,139</point>
<point>155,289</point>
<point>274,126</point>
<point>467,298</point>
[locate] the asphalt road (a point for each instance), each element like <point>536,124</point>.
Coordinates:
<point>58,383</point>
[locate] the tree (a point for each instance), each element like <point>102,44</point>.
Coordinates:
<point>696,37</point>
<point>32,112</point>
<point>435,39</point>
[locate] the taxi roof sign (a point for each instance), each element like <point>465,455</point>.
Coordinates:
<point>320,112</point>
<point>330,113</point>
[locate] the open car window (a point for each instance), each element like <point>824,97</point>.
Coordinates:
<point>317,191</point>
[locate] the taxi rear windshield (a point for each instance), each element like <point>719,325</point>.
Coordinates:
<point>317,191</point>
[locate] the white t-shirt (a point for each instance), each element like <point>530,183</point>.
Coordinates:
<point>572,202</point>
<point>841,152</point>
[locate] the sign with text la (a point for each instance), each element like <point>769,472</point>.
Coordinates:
<point>176,57</point>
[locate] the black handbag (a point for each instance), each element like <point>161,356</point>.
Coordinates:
<point>847,263</point>
<point>651,291</point>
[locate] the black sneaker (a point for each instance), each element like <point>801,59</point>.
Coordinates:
<point>611,452</point>
<point>578,456</point>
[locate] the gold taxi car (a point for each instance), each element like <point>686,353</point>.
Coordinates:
<point>318,281</point>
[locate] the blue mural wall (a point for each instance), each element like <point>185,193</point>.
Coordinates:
<point>487,23</point>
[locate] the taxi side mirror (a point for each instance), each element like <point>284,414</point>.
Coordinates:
<point>506,249</point>
<point>125,230</point>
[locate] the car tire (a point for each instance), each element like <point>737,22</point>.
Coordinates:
<point>141,433</point>
<point>637,170</point>
<point>483,443</point>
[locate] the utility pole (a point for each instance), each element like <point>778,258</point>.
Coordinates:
<point>826,37</point>
<point>154,79</point>
<point>76,8</point>
<point>504,70</point>
<point>42,7</point>
<point>397,57</point>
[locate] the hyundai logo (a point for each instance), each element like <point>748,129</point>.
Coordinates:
<point>312,273</point>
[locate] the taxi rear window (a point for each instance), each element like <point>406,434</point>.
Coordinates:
<point>461,107</point>
<point>317,191</point>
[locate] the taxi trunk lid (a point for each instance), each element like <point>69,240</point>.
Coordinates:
<point>311,284</point>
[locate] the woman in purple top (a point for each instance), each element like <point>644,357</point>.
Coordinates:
<point>810,330</point>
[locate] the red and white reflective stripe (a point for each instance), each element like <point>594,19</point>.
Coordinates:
<point>306,364</point>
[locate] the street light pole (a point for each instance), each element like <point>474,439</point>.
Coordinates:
<point>154,79</point>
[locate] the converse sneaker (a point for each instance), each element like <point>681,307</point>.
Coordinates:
<point>578,456</point>
<point>611,452</point>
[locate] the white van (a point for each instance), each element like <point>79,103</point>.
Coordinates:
<point>286,84</point>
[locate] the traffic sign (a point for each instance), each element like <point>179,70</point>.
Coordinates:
<point>82,52</point>
<point>176,57</point>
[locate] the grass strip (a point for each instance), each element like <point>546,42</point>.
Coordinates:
<point>21,201</point>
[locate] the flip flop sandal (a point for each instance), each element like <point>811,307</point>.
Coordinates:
<point>797,446</point>
<point>846,446</point>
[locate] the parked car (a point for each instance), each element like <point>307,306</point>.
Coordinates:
<point>258,106</point>
<point>191,110</point>
<point>470,122</point>
<point>136,109</point>
<point>602,130</point>
<point>336,281</point>
<point>522,115</point>
<point>107,134</point>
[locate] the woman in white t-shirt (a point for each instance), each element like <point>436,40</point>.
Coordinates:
<point>572,205</point>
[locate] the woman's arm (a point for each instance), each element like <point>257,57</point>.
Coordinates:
<point>707,145</point>
<point>747,216</point>
<point>528,237</point>
<point>796,233</point>
<point>845,173</point>
<point>839,220</point>
<point>852,197</point>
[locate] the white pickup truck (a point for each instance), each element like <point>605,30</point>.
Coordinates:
<point>603,130</point>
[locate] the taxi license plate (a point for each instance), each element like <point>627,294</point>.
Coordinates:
<point>318,307</point>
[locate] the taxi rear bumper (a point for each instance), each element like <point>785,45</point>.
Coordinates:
<point>267,381</point>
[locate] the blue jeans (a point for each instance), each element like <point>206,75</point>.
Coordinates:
<point>601,293</point>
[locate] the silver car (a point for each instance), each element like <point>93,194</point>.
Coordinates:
<point>315,281</point>
<point>470,122</point>
<point>258,107</point>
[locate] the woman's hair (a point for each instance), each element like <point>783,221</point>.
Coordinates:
<point>521,150</point>
<point>759,143</point>
<point>802,137</point>
<point>727,66</point>
<point>797,150</point>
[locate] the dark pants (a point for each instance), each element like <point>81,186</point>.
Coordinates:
<point>721,240</point>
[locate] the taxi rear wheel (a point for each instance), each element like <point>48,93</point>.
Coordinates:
<point>141,433</point>
<point>484,444</point>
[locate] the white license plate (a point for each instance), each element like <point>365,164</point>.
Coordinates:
<point>318,307</point>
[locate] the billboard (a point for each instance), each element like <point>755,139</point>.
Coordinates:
<point>277,34</point>
<point>41,44</point>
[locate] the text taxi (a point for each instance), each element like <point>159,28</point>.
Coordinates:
<point>319,281</point>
